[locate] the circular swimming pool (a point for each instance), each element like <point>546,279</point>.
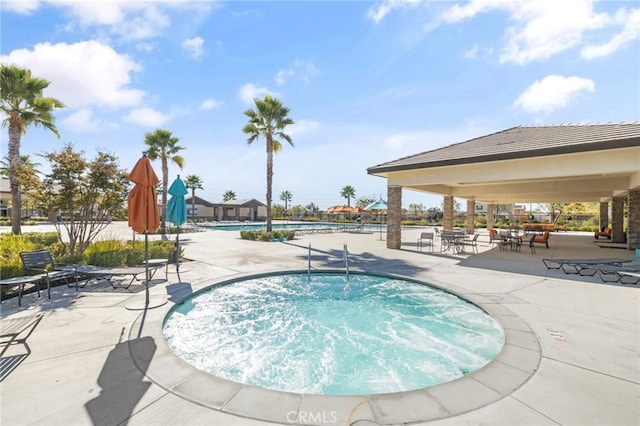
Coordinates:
<point>326,334</point>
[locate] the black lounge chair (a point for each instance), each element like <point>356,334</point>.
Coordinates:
<point>109,272</point>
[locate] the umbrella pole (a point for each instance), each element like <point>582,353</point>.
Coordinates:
<point>177,254</point>
<point>146,266</point>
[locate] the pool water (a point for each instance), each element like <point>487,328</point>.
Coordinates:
<point>289,226</point>
<point>325,335</point>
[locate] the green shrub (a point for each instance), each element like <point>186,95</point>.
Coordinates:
<point>59,249</point>
<point>249,235</point>
<point>10,263</point>
<point>41,239</point>
<point>278,235</point>
<point>118,253</point>
<point>106,253</point>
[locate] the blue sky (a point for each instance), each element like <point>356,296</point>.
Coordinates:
<point>367,82</point>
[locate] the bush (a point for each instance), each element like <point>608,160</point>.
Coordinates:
<point>249,235</point>
<point>278,235</point>
<point>42,239</point>
<point>265,236</point>
<point>10,263</point>
<point>10,248</point>
<point>106,253</point>
<point>118,253</point>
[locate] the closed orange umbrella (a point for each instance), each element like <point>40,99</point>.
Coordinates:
<point>143,207</point>
<point>143,200</point>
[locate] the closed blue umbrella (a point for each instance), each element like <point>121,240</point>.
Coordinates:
<point>177,206</point>
<point>177,214</point>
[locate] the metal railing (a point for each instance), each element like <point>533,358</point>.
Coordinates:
<point>345,253</point>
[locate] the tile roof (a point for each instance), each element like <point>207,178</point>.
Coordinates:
<point>522,142</point>
<point>249,202</point>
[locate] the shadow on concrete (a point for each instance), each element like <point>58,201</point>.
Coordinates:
<point>122,382</point>
<point>13,332</point>
<point>530,263</point>
<point>365,261</point>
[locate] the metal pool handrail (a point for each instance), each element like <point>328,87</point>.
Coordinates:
<point>309,264</point>
<point>345,252</point>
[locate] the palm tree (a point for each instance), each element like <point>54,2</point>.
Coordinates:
<point>286,196</point>
<point>193,182</point>
<point>348,192</point>
<point>228,195</point>
<point>163,146</point>
<point>268,120</point>
<point>23,105</point>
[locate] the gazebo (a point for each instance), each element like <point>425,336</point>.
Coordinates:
<point>567,163</point>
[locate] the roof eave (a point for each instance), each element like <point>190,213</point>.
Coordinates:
<point>565,149</point>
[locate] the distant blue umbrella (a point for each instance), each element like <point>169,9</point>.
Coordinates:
<point>177,214</point>
<point>378,206</point>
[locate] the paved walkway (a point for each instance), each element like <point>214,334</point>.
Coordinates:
<point>572,353</point>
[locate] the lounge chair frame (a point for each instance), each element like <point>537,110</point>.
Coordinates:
<point>108,273</point>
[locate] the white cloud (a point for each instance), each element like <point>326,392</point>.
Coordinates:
<point>23,7</point>
<point>547,28</point>
<point>82,120</point>
<point>399,141</point>
<point>629,32</point>
<point>144,46</point>
<point>378,12</point>
<point>146,116</point>
<point>131,20</point>
<point>250,91</point>
<point>302,68</point>
<point>553,92</point>
<point>81,74</point>
<point>472,53</point>
<point>194,46</point>
<point>302,126</point>
<point>544,28</point>
<point>410,143</point>
<point>283,75</point>
<point>210,104</point>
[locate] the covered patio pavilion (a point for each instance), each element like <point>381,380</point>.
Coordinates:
<point>547,164</point>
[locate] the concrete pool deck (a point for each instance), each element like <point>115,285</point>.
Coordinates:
<point>572,355</point>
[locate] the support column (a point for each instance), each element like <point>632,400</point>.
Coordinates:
<point>394,216</point>
<point>490,218</point>
<point>604,215</point>
<point>617,219</point>
<point>633,219</point>
<point>471,217</point>
<point>447,220</point>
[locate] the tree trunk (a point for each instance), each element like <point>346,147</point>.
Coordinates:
<point>15,132</point>
<point>269,179</point>
<point>193,203</point>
